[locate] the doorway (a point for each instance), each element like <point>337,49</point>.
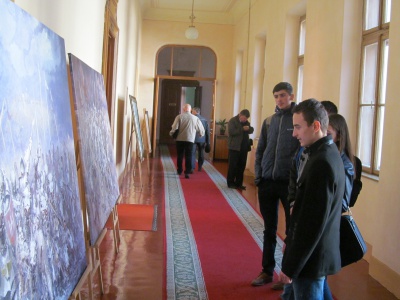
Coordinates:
<point>185,74</point>
<point>174,94</point>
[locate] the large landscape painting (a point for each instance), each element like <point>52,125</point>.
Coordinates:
<point>95,145</point>
<point>42,245</point>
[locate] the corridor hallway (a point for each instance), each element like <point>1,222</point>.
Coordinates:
<point>138,270</point>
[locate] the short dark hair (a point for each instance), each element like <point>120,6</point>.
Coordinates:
<point>312,111</point>
<point>330,107</point>
<point>245,112</point>
<point>283,86</point>
<point>196,109</point>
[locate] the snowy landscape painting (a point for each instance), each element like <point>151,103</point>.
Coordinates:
<point>95,145</point>
<point>43,253</point>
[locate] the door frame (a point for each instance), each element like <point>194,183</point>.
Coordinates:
<point>157,104</point>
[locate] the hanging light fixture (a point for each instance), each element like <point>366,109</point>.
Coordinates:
<point>192,33</point>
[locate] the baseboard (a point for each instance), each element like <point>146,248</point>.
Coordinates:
<point>385,275</point>
<point>368,255</point>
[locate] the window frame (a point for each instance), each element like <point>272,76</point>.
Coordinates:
<point>300,60</point>
<point>378,35</point>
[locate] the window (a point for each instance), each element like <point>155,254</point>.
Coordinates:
<point>371,108</point>
<point>187,61</point>
<point>300,59</point>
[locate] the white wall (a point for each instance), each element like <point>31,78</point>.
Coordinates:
<point>79,23</point>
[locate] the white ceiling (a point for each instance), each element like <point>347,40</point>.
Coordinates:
<point>205,11</point>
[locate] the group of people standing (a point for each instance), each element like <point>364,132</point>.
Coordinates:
<point>303,159</point>
<point>193,134</point>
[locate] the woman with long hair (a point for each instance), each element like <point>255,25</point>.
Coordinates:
<point>340,135</point>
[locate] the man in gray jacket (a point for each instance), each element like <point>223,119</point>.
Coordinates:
<point>238,144</point>
<point>275,149</point>
<point>188,126</point>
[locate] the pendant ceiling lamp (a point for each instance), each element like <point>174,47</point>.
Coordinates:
<point>192,33</point>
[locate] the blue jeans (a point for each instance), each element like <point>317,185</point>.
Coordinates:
<point>200,152</point>
<point>310,289</point>
<point>288,293</point>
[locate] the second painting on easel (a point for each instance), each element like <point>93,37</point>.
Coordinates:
<point>95,145</point>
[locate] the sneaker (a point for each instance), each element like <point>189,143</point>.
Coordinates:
<point>262,279</point>
<point>278,286</point>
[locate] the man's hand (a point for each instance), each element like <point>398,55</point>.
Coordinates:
<point>246,128</point>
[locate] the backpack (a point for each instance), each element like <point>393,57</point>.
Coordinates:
<point>357,184</point>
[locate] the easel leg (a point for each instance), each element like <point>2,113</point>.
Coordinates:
<point>116,234</point>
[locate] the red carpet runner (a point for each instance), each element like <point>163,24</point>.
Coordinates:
<point>135,217</point>
<point>229,256</point>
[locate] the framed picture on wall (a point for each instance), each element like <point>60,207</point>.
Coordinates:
<point>136,124</point>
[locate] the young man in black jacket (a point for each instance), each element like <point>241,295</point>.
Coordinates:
<point>275,149</point>
<point>313,242</point>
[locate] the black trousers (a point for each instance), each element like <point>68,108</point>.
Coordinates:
<point>269,193</point>
<point>184,149</point>
<point>236,165</point>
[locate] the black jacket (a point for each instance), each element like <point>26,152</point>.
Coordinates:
<point>349,175</point>
<point>237,137</point>
<point>313,242</point>
<point>276,146</point>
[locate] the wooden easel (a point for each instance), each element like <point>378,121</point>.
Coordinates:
<point>92,251</point>
<point>148,137</point>
<point>133,157</point>
<point>87,274</point>
<point>115,222</point>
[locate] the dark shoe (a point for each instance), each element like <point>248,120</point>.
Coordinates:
<point>187,176</point>
<point>180,173</point>
<point>232,186</point>
<point>278,286</point>
<point>262,279</point>
<point>191,172</point>
<point>200,168</point>
<point>242,187</point>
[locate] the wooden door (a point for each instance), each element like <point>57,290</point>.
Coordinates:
<point>170,108</point>
<point>171,104</point>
